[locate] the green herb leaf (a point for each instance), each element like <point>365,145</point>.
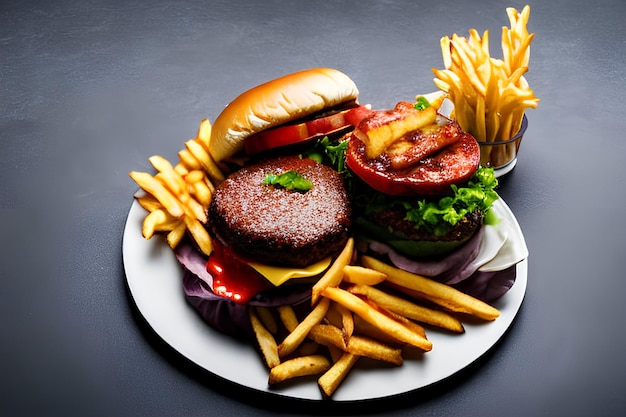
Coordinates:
<point>421,103</point>
<point>479,194</point>
<point>438,216</point>
<point>336,153</point>
<point>290,180</point>
<point>330,153</point>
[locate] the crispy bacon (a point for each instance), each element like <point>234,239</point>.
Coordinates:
<point>415,146</point>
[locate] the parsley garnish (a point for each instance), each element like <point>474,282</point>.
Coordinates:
<point>290,180</point>
<point>421,103</point>
<point>330,153</point>
<point>336,153</point>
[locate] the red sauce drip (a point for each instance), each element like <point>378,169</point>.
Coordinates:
<point>233,278</point>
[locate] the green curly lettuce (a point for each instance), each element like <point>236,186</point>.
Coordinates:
<point>478,195</point>
<point>438,216</point>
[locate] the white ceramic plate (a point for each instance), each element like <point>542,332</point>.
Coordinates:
<point>155,281</point>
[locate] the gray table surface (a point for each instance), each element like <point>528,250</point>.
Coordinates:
<point>90,89</point>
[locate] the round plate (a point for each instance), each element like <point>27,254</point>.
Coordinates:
<point>155,281</point>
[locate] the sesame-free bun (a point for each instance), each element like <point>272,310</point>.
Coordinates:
<point>277,102</point>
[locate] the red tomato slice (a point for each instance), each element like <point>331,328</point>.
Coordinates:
<point>304,131</point>
<point>433,175</point>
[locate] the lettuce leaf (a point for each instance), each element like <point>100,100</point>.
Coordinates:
<point>439,215</point>
<point>478,195</point>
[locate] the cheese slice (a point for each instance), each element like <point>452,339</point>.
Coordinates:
<point>278,275</point>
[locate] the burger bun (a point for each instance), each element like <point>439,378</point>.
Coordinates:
<point>277,102</point>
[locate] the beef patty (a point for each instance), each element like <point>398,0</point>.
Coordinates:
<point>274,225</point>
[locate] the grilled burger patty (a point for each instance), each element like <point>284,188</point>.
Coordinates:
<point>274,225</point>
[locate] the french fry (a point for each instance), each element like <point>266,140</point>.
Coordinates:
<point>333,316</point>
<point>151,222</point>
<point>205,159</point>
<point>193,176</point>
<point>297,367</point>
<point>293,340</point>
<point>441,294</point>
<point>202,193</point>
<point>332,379</point>
<point>329,335</point>
<point>332,277</point>
<point>153,186</point>
<point>204,132</point>
<point>360,275</point>
<point>181,170</point>
<point>408,309</point>
<point>307,347</point>
<point>267,318</point>
<point>170,178</point>
<point>188,160</point>
<point>265,340</point>
<point>334,352</point>
<point>159,221</point>
<point>378,319</point>
<point>200,235</point>
<point>374,349</point>
<point>368,330</point>
<point>176,235</point>
<point>288,317</point>
<point>347,322</point>
<point>148,202</point>
<point>176,184</point>
<point>409,324</point>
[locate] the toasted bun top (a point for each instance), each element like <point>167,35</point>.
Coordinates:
<point>277,102</point>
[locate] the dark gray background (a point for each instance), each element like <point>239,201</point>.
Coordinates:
<point>90,89</point>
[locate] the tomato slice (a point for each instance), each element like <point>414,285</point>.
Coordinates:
<point>432,175</point>
<point>304,131</point>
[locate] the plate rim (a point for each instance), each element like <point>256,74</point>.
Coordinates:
<point>142,291</point>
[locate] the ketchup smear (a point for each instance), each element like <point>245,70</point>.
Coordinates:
<point>233,277</point>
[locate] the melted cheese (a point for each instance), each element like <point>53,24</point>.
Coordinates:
<point>278,275</point>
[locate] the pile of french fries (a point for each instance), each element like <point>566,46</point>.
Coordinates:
<point>177,197</point>
<point>360,308</point>
<point>489,95</point>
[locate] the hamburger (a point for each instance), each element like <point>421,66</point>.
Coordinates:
<point>286,113</point>
<point>282,214</point>
<point>420,198</point>
<point>422,191</point>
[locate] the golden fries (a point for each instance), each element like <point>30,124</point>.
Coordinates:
<point>360,275</point>
<point>178,197</point>
<point>297,367</point>
<point>408,309</point>
<point>155,187</point>
<point>441,294</point>
<point>329,335</point>
<point>334,274</point>
<point>267,343</point>
<point>332,378</point>
<point>353,320</point>
<point>266,315</point>
<point>288,317</point>
<point>373,349</point>
<point>298,334</point>
<point>489,95</point>
<point>376,318</point>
